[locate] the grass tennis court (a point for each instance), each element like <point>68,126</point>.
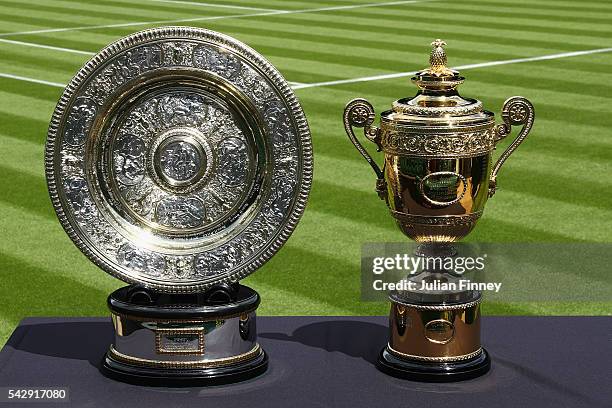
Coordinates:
<point>556,188</point>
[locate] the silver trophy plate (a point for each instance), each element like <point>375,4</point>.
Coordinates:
<point>178,158</point>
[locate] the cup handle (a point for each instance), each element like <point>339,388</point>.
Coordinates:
<point>516,111</point>
<point>360,113</point>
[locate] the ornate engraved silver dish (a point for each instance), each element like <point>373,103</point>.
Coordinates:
<point>179,160</point>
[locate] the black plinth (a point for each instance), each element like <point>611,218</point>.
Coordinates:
<point>433,371</point>
<point>221,301</point>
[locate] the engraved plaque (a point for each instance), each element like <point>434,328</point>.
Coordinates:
<point>180,341</point>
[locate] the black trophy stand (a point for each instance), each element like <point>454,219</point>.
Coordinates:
<point>219,301</point>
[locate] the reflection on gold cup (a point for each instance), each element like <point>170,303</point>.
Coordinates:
<point>436,179</point>
<point>437,172</point>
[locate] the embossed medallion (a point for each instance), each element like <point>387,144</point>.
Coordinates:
<point>178,158</point>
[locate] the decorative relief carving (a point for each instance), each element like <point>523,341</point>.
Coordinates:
<point>104,236</point>
<point>80,119</point>
<point>180,212</point>
<point>177,53</point>
<point>233,161</point>
<point>141,260</point>
<point>77,193</point>
<point>454,144</point>
<point>72,165</point>
<point>180,160</point>
<point>217,261</point>
<point>437,111</point>
<point>281,197</point>
<point>222,63</point>
<point>129,159</point>
<point>180,267</point>
<point>448,220</point>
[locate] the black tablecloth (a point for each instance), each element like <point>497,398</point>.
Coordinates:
<point>328,362</point>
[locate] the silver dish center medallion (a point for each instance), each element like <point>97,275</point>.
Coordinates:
<point>178,158</point>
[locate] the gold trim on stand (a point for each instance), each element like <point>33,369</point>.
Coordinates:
<point>184,364</point>
<point>439,307</point>
<point>434,359</point>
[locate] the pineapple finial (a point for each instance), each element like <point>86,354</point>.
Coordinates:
<point>437,59</point>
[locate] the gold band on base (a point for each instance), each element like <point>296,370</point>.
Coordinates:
<point>435,359</point>
<point>184,364</point>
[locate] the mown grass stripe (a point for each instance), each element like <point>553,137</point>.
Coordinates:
<point>425,25</point>
<point>381,45</point>
<point>28,198</point>
<point>420,34</point>
<point>153,6</point>
<point>277,301</point>
<point>21,155</point>
<point>478,16</point>
<point>27,106</point>
<point>551,216</point>
<point>530,11</point>
<point>325,273</point>
<point>46,21</point>
<point>82,13</point>
<point>517,15</point>
<point>552,6</point>
<point>129,24</point>
<point>201,4</point>
<point>24,128</point>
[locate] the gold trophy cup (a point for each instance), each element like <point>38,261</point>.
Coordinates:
<point>436,178</point>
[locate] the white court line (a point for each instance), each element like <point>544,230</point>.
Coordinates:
<point>197,3</point>
<point>461,67</point>
<point>187,20</point>
<point>36,81</point>
<point>47,47</point>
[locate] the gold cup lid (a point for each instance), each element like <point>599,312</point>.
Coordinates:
<point>437,101</point>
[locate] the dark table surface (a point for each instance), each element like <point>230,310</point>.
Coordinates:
<point>328,362</point>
